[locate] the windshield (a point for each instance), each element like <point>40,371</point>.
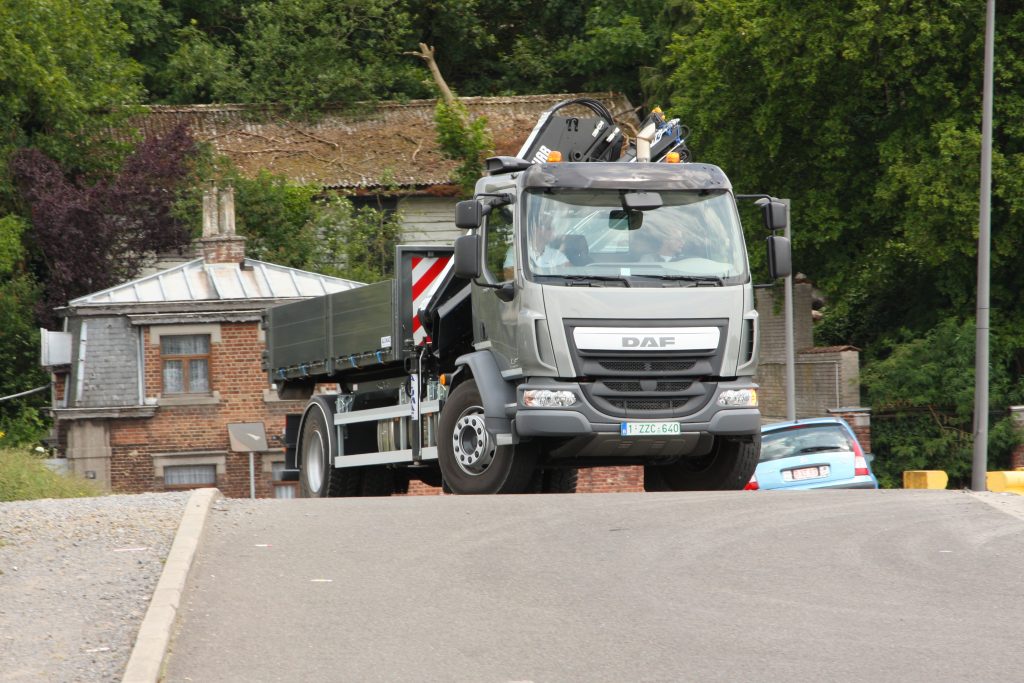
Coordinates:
<point>694,237</point>
<point>785,443</point>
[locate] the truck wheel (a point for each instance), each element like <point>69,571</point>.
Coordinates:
<point>317,476</point>
<point>728,467</point>
<point>561,480</point>
<point>471,462</point>
<point>378,480</point>
<point>554,480</point>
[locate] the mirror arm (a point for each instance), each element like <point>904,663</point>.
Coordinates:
<point>504,290</point>
<point>493,200</point>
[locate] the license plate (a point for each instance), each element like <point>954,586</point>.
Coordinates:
<point>807,473</point>
<point>649,428</point>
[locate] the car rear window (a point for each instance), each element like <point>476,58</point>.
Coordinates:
<point>804,439</point>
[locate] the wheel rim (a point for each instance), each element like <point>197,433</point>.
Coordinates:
<point>472,444</point>
<point>314,464</point>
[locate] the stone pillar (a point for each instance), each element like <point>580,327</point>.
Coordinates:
<point>860,419</point>
<point>1017,418</point>
<point>88,450</point>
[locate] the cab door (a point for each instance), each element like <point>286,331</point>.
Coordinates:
<point>496,307</point>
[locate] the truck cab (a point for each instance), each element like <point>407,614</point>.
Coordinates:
<point>613,321</point>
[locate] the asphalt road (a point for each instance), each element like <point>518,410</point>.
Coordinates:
<point>731,586</point>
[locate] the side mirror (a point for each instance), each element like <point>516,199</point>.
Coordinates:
<point>467,255</point>
<point>776,214</point>
<point>468,214</point>
<point>780,257</point>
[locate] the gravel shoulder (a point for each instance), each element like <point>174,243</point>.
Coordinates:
<point>76,578</point>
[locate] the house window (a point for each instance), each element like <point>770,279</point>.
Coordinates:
<point>190,475</point>
<point>186,363</point>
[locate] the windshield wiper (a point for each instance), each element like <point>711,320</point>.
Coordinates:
<point>697,280</point>
<point>818,449</point>
<point>591,278</point>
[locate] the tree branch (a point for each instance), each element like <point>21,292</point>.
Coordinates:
<point>426,53</point>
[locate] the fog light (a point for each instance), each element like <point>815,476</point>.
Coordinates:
<point>545,398</point>
<point>738,398</point>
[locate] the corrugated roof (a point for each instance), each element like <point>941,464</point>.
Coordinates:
<point>201,281</point>
<point>380,145</point>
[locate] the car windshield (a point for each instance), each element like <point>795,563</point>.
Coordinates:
<point>802,440</point>
<point>576,237</point>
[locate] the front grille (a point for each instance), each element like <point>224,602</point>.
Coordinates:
<point>647,404</point>
<point>647,365</point>
<point>647,384</point>
<point>660,386</point>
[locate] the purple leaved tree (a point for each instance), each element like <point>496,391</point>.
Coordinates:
<point>91,236</point>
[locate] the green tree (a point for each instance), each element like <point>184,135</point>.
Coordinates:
<point>866,114</point>
<point>21,419</point>
<point>64,78</point>
<point>922,402</point>
<point>304,53</point>
<point>277,219</point>
<point>355,243</point>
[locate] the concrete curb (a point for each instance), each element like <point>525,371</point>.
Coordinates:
<point>147,656</point>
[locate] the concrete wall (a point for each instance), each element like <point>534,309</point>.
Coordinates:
<point>827,378</point>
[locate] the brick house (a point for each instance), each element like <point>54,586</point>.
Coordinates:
<point>148,374</point>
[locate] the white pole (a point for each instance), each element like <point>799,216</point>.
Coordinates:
<point>252,476</point>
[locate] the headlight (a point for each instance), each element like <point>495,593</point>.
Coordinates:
<point>545,398</point>
<point>738,398</point>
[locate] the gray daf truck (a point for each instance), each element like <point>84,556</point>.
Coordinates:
<point>597,312</point>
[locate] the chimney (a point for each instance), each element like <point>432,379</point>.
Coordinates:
<point>219,243</point>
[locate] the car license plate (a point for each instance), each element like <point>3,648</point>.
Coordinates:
<point>810,473</point>
<point>649,428</point>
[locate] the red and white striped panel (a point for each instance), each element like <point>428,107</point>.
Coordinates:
<point>427,273</point>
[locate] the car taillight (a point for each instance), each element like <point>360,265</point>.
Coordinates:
<point>752,484</point>
<point>860,466</point>
<point>860,463</point>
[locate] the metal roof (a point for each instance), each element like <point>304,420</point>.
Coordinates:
<point>201,281</point>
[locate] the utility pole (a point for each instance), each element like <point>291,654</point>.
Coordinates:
<point>790,351</point>
<point>980,461</point>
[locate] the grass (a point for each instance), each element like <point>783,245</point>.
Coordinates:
<point>25,476</point>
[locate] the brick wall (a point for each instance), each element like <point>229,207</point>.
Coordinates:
<point>590,480</point>
<point>223,249</point>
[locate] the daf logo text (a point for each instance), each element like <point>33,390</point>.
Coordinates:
<point>648,342</point>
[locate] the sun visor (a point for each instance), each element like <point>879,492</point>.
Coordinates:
<point>624,176</point>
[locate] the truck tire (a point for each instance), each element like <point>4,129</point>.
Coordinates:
<point>554,480</point>
<point>318,477</point>
<point>729,466</point>
<point>560,480</point>
<point>471,462</point>
<point>378,480</point>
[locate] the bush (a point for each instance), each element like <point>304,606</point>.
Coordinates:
<point>25,476</point>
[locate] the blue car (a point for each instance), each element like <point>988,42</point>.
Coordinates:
<point>815,453</point>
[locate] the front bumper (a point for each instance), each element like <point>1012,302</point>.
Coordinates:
<point>584,418</point>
